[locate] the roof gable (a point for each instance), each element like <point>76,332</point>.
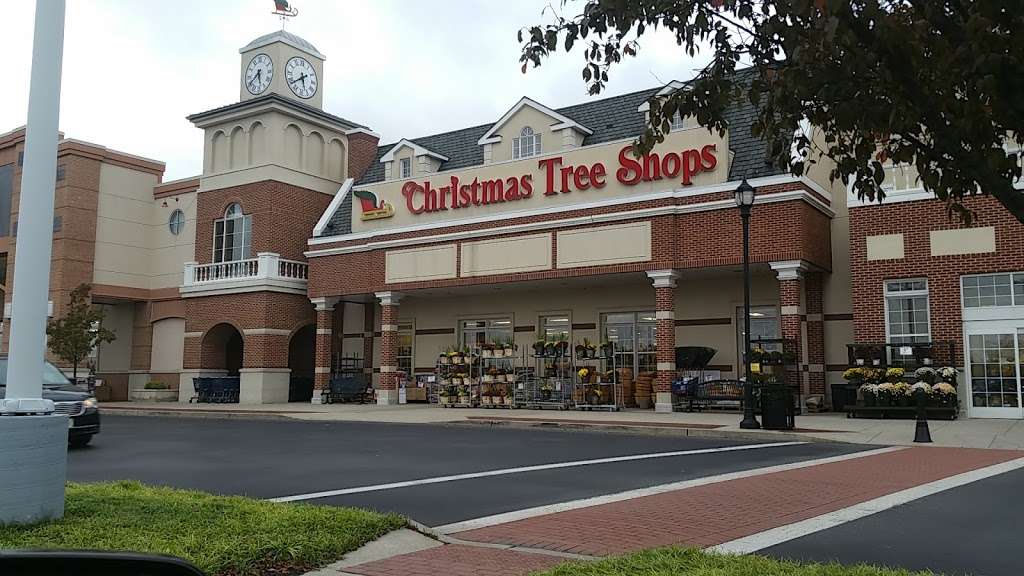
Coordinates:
<point>562,121</point>
<point>417,150</point>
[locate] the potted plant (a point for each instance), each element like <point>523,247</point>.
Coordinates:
<point>487,350</point>
<point>581,350</point>
<point>607,349</point>
<point>510,348</point>
<point>501,376</point>
<point>550,348</point>
<point>456,380</point>
<point>925,374</point>
<point>563,344</point>
<point>869,392</point>
<point>463,395</point>
<point>584,375</point>
<point>485,398</point>
<point>510,377</point>
<point>442,396</point>
<point>886,394</point>
<point>546,388</point>
<point>510,396</point>
<point>488,377</point>
<point>538,347</point>
<point>594,395</point>
<point>901,390</point>
<point>855,376</point>
<point>948,374</point>
<point>457,357</point>
<point>590,347</point>
<point>945,394</point>
<point>445,356</point>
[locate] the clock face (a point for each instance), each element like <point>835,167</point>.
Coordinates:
<point>259,74</point>
<point>301,77</point>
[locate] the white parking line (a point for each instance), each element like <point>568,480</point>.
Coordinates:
<point>660,489</point>
<point>768,538</point>
<point>521,469</point>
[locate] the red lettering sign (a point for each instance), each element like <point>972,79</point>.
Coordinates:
<point>423,197</point>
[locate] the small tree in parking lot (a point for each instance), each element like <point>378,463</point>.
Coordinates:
<point>75,335</point>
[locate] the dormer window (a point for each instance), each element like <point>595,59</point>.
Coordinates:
<point>526,144</point>
<point>405,168</point>
<point>677,122</point>
<point>232,235</point>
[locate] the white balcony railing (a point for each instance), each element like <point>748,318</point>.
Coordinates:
<point>266,266</point>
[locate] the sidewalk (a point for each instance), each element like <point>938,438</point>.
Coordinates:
<point>964,433</point>
<point>740,514</point>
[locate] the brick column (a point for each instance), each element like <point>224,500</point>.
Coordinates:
<point>815,333</point>
<point>388,391</point>
<point>791,280</point>
<point>665,312</point>
<point>324,337</point>
<point>368,314</point>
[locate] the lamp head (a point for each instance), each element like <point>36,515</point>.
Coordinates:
<point>744,194</point>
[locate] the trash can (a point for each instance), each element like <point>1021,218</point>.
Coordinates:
<point>777,411</point>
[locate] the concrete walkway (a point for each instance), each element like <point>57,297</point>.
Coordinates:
<point>963,433</point>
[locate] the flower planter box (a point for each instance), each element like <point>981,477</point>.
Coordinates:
<point>143,395</point>
<point>902,412</point>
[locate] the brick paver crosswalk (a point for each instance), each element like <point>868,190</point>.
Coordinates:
<point>698,516</point>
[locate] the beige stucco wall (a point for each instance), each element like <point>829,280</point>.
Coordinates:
<point>606,153</point>
<point>615,244</point>
<point>168,253</point>
<point>884,247</point>
<point>963,241</point>
<point>274,145</point>
<point>122,227</point>
<point>168,345</point>
<point>116,356</point>
<point>506,255</point>
<point>419,264</point>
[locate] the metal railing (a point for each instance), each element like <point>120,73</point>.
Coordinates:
<point>266,265</point>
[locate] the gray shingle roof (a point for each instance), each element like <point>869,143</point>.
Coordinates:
<point>279,99</point>
<point>611,119</point>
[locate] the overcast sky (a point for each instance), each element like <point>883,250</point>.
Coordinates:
<point>134,69</point>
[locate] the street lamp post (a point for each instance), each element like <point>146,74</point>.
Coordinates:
<point>745,199</point>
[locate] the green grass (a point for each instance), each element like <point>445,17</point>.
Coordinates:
<point>692,562</point>
<point>222,535</point>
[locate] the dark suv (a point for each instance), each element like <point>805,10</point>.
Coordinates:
<point>75,401</point>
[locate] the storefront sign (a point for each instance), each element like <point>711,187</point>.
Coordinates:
<point>558,178</point>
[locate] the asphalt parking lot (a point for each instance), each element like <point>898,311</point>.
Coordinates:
<point>278,458</point>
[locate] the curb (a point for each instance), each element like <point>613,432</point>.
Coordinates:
<point>655,430</point>
<point>224,414</point>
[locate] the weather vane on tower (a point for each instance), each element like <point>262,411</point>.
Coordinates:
<point>284,11</point>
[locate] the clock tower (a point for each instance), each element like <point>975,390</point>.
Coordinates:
<point>284,64</point>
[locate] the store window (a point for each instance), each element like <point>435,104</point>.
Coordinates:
<point>406,343</point>
<point>765,330</point>
<point>678,122</point>
<point>473,333</point>
<point>906,311</point>
<point>176,222</point>
<point>994,365</point>
<point>405,167</point>
<point>991,290</point>
<point>526,144</point>
<point>556,327</point>
<point>232,235</point>
<point>900,178</point>
<point>633,337</point>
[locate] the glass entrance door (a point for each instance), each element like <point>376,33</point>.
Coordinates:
<point>994,372</point>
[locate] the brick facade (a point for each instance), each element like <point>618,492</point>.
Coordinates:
<point>283,217</point>
<point>362,153</point>
<point>815,329</point>
<point>915,220</point>
<point>324,344</point>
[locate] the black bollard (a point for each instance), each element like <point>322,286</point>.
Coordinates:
<point>921,432</point>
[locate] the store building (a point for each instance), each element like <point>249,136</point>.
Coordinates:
<point>305,240</point>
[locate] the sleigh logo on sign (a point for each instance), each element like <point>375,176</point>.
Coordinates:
<point>373,208</point>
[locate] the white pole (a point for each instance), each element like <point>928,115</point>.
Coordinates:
<point>35,214</point>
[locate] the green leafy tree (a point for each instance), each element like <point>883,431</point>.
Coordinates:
<point>932,83</point>
<point>75,335</point>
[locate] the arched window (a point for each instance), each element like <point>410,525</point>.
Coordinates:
<point>526,144</point>
<point>232,235</point>
<point>176,222</point>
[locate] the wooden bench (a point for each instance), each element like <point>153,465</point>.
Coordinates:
<point>700,395</point>
<point>347,388</point>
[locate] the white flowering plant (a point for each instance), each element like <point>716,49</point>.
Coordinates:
<point>944,389</point>
<point>925,374</point>
<point>921,387</point>
<point>948,374</point>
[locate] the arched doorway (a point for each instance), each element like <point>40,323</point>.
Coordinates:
<point>222,349</point>
<point>301,361</point>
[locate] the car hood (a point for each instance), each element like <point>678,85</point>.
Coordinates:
<point>68,393</point>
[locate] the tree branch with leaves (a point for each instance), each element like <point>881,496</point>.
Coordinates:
<point>75,335</point>
<point>934,84</point>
